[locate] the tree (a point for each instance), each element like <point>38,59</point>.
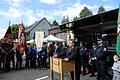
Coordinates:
<point>15,30</point>
<point>75,18</point>
<point>55,23</point>
<point>85,13</point>
<point>101,9</point>
<point>65,20</point>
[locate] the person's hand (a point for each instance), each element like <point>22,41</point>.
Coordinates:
<point>113,68</point>
<point>66,59</point>
<point>95,58</point>
<point>55,56</point>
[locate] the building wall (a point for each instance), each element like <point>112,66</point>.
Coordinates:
<point>58,33</point>
<point>42,26</point>
<point>61,35</point>
<point>54,31</point>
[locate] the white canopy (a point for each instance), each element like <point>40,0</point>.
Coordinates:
<point>31,41</point>
<point>52,38</point>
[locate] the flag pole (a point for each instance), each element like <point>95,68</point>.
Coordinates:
<point>9,23</point>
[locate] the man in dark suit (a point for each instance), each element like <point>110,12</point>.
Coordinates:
<point>61,51</point>
<point>73,55</point>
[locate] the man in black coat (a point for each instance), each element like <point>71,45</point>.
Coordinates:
<point>100,58</point>
<point>73,55</point>
<point>61,51</point>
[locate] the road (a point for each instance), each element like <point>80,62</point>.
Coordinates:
<point>36,75</point>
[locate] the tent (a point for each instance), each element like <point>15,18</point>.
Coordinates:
<point>31,41</point>
<point>52,38</point>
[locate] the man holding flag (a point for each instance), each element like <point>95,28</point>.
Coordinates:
<point>6,46</point>
<point>21,46</point>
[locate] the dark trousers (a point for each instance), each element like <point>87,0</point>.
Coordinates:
<point>31,63</point>
<point>39,60</point>
<point>27,63</point>
<point>100,65</point>
<point>84,65</point>
<point>19,63</point>
<point>93,68</point>
<point>44,63</point>
<point>77,71</point>
<point>34,63</point>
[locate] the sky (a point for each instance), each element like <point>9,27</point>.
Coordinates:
<point>30,11</point>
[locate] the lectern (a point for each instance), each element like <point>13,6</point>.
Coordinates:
<point>60,66</point>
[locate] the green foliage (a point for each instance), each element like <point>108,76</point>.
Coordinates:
<point>76,18</point>
<point>101,9</point>
<point>55,23</point>
<point>85,13</point>
<point>15,30</point>
<point>65,20</point>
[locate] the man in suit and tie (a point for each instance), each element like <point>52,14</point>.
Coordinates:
<point>73,55</point>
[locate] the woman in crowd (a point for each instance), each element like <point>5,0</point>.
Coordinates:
<point>92,61</point>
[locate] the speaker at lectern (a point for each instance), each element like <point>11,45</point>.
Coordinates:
<point>60,66</point>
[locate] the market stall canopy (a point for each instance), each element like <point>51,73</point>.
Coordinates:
<point>52,38</point>
<point>31,41</point>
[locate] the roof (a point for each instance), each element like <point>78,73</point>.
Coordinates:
<point>31,27</point>
<point>54,27</point>
<point>108,18</point>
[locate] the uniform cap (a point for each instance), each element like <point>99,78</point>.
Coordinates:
<point>116,57</point>
<point>99,39</point>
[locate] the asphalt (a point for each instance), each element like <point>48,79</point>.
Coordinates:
<point>37,75</point>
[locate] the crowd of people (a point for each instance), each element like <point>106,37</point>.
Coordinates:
<point>14,60</point>
<point>87,59</point>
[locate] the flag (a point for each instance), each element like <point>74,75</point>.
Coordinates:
<point>118,31</point>
<point>34,36</point>
<point>7,41</point>
<point>21,39</point>
<point>39,36</point>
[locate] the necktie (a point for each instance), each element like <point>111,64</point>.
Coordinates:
<point>70,49</point>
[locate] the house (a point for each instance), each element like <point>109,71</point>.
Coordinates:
<point>55,30</point>
<point>41,25</point>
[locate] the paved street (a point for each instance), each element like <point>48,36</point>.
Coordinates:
<point>36,75</point>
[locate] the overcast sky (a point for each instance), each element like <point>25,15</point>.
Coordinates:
<point>30,11</point>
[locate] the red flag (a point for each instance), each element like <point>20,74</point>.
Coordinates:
<point>7,41</point>
<point>21,38</point>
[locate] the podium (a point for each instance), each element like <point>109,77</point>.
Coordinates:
<point>60,66</point>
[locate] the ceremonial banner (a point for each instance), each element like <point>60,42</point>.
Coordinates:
<point>118,36</point>
<point>21,39</point>
<point>39,36</point>
<point>7,41</point>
